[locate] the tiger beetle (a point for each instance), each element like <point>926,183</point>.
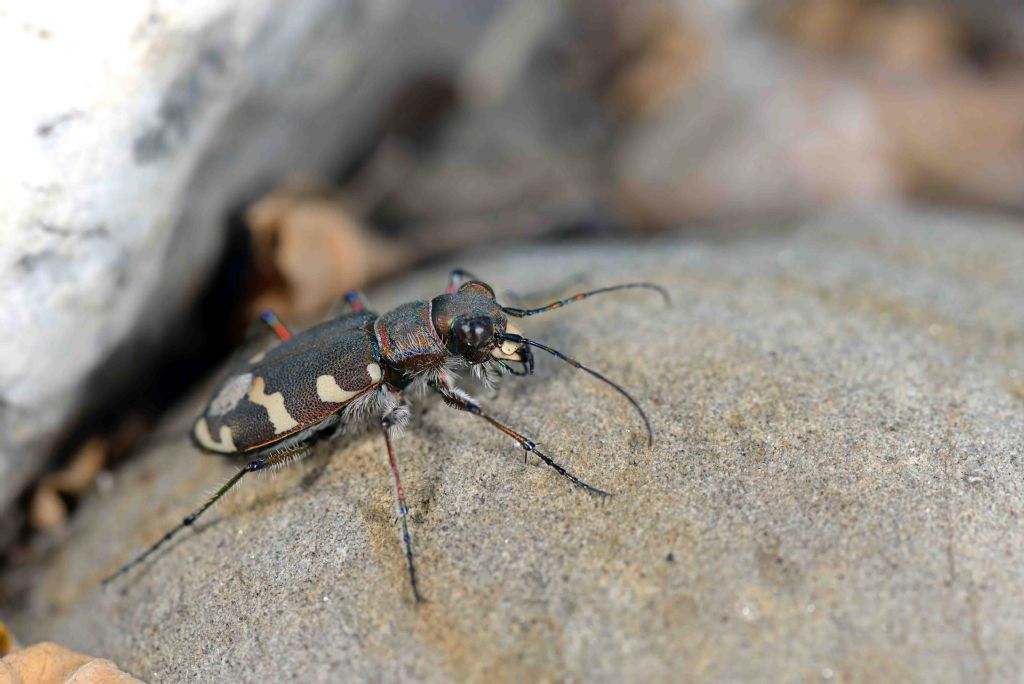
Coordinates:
<point>359,368</point>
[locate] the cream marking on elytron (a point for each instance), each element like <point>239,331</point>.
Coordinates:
<point>328,389</point>
<point>373,370</point>
<point>274,403</point>
<point>226,445</point>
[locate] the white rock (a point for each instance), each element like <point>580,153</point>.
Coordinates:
<point>129,132</point>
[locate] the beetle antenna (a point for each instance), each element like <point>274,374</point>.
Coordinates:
<point>573,362</point>
<point>522,313</point>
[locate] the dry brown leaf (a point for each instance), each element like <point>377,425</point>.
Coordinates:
<point>43,663</point>
<point>903,37</point>
<point>825,25</point>
<point>7,641</point>
<point>48,663</point>
<point>100,671</point>
<point>911,38</point>
<point>669,57</point>
<point>47,511</point>
<point>310,249</point>
<point>80,474</point>
<point>958,137</point>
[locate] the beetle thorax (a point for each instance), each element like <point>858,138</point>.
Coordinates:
<point>407,339</point>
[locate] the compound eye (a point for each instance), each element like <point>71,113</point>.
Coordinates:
<point>474,332</point>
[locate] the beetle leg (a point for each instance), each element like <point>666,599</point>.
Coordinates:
<point>256,338</point>
<point>456,278</point>
<point>189,520</point>
<point>459,400</point>
<point>355,301</point>
<point>276,325</point>
<point>387,425</point>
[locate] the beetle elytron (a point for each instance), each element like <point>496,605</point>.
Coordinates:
<point>357,368</point>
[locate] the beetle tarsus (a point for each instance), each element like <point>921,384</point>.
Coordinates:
<point>576,364</point>
<point>456,401</point>
<point>403,510</point>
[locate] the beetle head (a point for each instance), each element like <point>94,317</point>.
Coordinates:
<point>470,321</point>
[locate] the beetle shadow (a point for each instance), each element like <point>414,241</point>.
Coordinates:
<point>319,461</point>
<point>131,582</point>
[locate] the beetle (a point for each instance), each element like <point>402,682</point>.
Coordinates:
<point>359,368</point>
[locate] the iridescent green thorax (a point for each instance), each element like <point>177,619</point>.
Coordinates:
<point>407,339</point>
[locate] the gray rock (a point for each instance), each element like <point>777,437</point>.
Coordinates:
<point>132,136</point>
<point>835,491</point>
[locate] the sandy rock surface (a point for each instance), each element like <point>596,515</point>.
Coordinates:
<point>835,491</point>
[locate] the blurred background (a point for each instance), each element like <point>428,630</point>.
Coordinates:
<point>172,170</point>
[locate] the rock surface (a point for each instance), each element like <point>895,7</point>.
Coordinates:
<point>133,134</point>
<point>835,491</point>
<point>137,130</point>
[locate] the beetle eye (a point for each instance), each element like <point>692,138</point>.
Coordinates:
<point>474,332</point>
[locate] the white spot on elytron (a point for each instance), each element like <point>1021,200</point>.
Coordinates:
<point>230,394</point>
<point>274,403</point>
<point>328,389</point>
<point>373,370</point>
<point>225,444</point>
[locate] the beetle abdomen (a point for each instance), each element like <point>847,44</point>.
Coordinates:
<point>290,388</point>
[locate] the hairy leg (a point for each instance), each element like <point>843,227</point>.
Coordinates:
<point>390,423</point>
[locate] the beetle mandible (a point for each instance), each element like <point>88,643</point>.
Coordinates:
<point>357,368</point>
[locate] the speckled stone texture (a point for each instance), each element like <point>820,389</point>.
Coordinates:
<point>835,491</point>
